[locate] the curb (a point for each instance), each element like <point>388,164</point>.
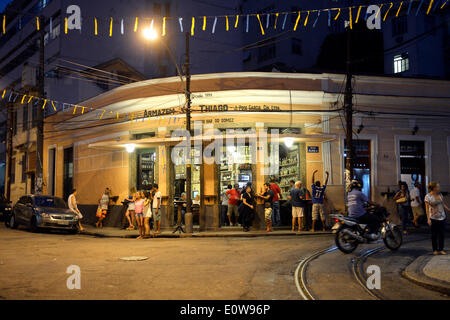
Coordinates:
<point>414,273</point>
<point>206,235</point>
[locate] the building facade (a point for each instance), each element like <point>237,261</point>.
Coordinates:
<point>401,133</point>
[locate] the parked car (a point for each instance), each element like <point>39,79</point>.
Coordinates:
<point>5,207</point>
<point>42,212</point>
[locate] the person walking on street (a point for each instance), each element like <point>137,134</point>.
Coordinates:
<point>318,193</point>
<point>297,197</point>
<point>267,197</point>
<point>72,201</point>
<point>276,220</point>
<point>233,199</point>
<point>402,199</point>
<point>104,203</point>
<point>416,203</point>
<point>435,209</point>
<point>247,208</point>
<point>156,205</point>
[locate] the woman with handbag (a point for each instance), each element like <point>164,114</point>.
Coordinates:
<point>402,199</point>
<point>435,208</point>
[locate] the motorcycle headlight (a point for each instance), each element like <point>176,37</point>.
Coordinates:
<point>8,209</point>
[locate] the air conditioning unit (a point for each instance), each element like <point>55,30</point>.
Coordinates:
<point>28,76</point>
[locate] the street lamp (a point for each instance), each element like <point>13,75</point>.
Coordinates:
<point>150,34</point>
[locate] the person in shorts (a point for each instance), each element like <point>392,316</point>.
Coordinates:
<point>147,213</point>
<point>139,209</point>
<point>267,196</point>
<point>72,202</point>
<point>416,203</point>
<point>130,214</point>
<point>297,197</point>
<point>318,193</point>
<point>104,203</point>
<point>156,206</point>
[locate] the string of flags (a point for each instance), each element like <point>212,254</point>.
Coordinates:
<point>13,96</point>
<point>265,21</point>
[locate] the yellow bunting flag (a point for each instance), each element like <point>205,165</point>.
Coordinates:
<point>117,116</point>
<point>45,103</point>
<point>429,6</point>
<point>23,98</point>
<point>204,23</point>
<point>399,8</point>
<point>164,27</point>
<point>296,21</point>
<point>227,23</point>
<point>443,5</point>
<point>3,94</point>
<point>4,24</point>
<point>65,25</point>
<point>350,17</point>
<point>337,16</point>
<point>379,10</point>
<point>193,26</point>
<point>110,27</point>
<point>82,110</point>
<point>102,114</point>
<point>385,15</point>
<point>136,24</point>
<point>306,20</point>
<point>260,24</point>
<point>74,110</point>
<point>357,15</point>
<point>29,100</point>
<point>53,105</point>
<point>276,21</point>
<point>237,21</point>
<point>37,24</point>
<point>95,24</point>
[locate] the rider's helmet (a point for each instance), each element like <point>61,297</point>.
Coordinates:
<point>355,184</point>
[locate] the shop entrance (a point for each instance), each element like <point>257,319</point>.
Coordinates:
<point>412,163</point>
<point>235,168</point>
<point>362,164</point>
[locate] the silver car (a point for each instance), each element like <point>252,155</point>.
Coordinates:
<point>37,211</point>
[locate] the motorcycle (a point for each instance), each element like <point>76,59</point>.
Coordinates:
<point>350,232</point>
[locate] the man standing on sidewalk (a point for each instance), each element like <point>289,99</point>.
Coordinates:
<point>275,202</point>
<point>416,203</point>
<point>297,197</point>
<point>318,193</point>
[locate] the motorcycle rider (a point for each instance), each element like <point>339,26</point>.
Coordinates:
<point>356,202</point>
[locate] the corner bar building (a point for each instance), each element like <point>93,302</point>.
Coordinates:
<point>400,134</point>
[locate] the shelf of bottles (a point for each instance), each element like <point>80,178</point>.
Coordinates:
<point>289,170</point>
<point>235,166</point>
<point>146,166</point>
<point>180,169</point>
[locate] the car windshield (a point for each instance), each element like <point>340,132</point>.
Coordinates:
<point>49,202</point>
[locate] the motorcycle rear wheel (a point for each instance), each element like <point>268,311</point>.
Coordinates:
<point>344,242</point>
<point>393,238</point>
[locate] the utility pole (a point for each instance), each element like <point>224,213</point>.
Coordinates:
<point>187,72</point>
<point>40,112</point>
<point>348,107</point>
<point>9,148</point>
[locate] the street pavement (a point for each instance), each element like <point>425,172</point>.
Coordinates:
<point>33,266</point>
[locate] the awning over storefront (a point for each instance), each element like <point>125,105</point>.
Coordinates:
<point>123,144</point>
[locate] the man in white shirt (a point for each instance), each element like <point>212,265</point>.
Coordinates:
<point>156,208</point>
<point>416,203</point>
<point>72,202</point>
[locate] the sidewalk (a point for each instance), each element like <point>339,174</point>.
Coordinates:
<point>432,272</point>
<point>109,232</point>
